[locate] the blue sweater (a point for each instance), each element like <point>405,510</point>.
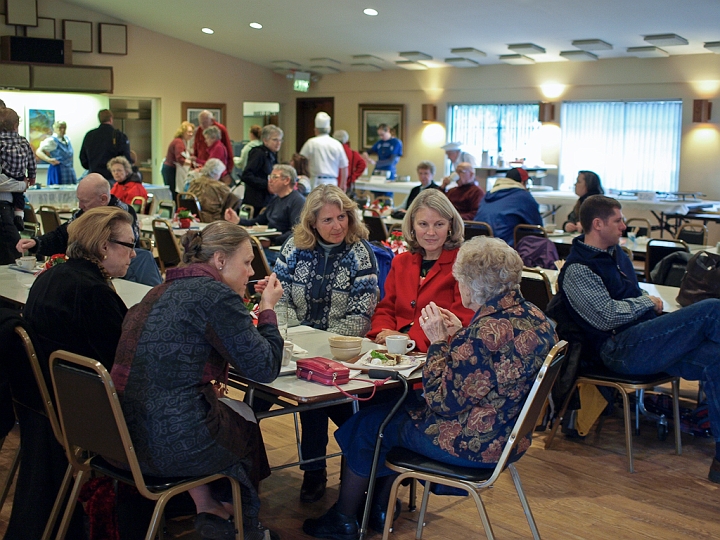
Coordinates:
<point>507,207</point>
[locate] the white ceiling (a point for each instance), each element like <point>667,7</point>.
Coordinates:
<point>300,30</point>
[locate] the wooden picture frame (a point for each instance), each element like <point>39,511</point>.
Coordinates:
<point>45,29</point>
<point>21,12</point>
<point>372,115</point>
<point>112,38</point>
<point>80,33</point>
<point>191,110</point>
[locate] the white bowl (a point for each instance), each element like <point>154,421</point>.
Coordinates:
<point>345,354</point>
<point>345,342</point>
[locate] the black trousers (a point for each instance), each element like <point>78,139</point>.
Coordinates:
<point>9,235</point>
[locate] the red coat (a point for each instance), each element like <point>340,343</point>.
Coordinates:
<point>200,149</point>
<point>128,190</point>
<point>405,298</point>
<point>356,165</point>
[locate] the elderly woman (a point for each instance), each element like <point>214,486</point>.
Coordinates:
<point>213,195</point>
<point>216,148</point>
<point>329,275</point>
<point>74,307</point>
<point>128,184</point>
<point>587,184</point>
<point>176,156</point>
<point>433,230</point>
<point>58,152</point>
<point>261,161</point>
<point>175,345</point>
<point>475,381</point>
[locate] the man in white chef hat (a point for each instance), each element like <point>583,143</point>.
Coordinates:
<point>454,152</point>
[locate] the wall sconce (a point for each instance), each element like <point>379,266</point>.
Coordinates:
<point>429,113</point>
<point>546,112</point>
<point>702,108</point>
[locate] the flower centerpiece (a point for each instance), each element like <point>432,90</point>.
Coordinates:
<point>252,308</point>
<point>381,207</point>
<point>396,242</point>
<point>185,218</point>
<point>58,258</point>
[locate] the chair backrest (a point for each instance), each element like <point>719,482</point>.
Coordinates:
<point>535,286</point>
<point>376,228</point>
<point>166,209</point>
<point>90,413</point>
<point>523,229</point>
<point>49,218</point>
<point>247,211</point>
<point>534,403</point>
<point>188,201</point>
<point>657,250</point>
<point>640,226</point>
<point>259,263</point>
<point>149,204</point>
<point>138,204</point>
<point>537,251</point>
<point>29,216</point>
<point>168,250</point>
<point>31,230</point>
<point>693,233</point>
<point>477,228</point>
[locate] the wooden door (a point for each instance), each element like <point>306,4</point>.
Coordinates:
<point>306,109</point>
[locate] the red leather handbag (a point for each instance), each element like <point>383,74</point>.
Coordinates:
<point>323,371</point>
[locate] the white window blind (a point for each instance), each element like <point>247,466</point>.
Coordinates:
<point>631,145</point>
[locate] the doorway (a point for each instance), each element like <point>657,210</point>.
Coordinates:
<point>306,109</point>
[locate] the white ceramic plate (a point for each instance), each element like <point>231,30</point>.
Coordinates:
<point>407,362</point>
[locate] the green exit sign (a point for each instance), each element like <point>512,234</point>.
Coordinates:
<point>300,85</point>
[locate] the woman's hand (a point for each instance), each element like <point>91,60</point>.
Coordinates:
<point>573,227</point>
<point>231,216</point>
<point>272,292</point>
<point>452,323</point>
<point>261,284</point>
<point>433,323</point>
<point>380,338</point>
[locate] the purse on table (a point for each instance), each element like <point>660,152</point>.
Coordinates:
<point>701,279</point>
<point>323,371</point>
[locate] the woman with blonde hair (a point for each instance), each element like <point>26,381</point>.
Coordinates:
<point>176,155</point>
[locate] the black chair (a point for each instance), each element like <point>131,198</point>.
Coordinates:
<point>166,209</point>
<point>92,421</point>
<point>473,480</point>
<point>259,264</point>
<point>692,233</point>
<point>640,226</point>
<point>523,229</point>
<point>477,228</point>
<point>535,286</point>
<point>49,218</point>
<point>188,201</point>
<point>657,249</point>
<point>168,250</point>
<point>376,227</point>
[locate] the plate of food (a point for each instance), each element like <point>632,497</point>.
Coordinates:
<point>386,360</point>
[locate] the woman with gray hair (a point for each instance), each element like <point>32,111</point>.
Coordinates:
<point>216,148</point>
<point>213,195</point>
<point>58,152</point>
<point>261,161</point>
<point>475,382</point>
<point>356,163</point>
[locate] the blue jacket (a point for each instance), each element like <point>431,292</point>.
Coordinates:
<point>507,207</point>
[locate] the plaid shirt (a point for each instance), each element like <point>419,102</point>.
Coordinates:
<point>17,158</point>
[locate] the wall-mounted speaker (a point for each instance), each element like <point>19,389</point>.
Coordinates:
<point>702,108</point>
<point>35,50</point>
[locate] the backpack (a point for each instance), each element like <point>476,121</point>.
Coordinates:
<point>671,269</point>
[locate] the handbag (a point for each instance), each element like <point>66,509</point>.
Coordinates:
<point>323,371</point>
<point>701,279</point>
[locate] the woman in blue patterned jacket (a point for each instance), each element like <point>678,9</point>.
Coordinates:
<point>475,381</point>
<point>329,274</point>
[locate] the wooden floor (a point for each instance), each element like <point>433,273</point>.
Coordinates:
<point>577,490</point>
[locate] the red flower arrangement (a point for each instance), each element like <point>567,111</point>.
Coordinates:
<point>396,243</point>
<point>185,217</point>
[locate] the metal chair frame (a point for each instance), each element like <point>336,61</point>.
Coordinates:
<point>694,229</point>
<point>664,247</point>
<point>161,229</point>
<point>49,218</point>
<point>166,209</point>
<point>138,204</point>
<point>639,224</point>
<point>537,287</point>
<point>477,228</point>
<point>523,229</point>
<point>376,227</point>
<point>188,201</point>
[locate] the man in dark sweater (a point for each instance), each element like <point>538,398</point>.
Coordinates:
<point>620,320</point>
<point>102,144</point>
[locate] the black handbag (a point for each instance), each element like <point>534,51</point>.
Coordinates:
<point>701,279</point>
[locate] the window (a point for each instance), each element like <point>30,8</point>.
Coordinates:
<point>630,145</point>
<point>512,131</point>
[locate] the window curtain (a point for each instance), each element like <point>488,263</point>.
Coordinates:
<point>631,145</point>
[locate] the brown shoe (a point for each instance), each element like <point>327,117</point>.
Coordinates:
<point>714,474</point>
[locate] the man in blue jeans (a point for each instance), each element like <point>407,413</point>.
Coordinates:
<point>599,288</point>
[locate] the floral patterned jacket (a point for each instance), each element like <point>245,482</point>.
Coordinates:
<point>476,385</point>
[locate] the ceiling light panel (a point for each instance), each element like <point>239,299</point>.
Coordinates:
<point>647,52</point>
<point>207,30</point>
<point>367,58</point>
<point>526,48</point>
<point>409,64</point>
<point>370,12</point>
<point>285,64</point>
<point>578,56</point>
<point>592,45</point>
<point>468,52</point>
<point>666,40</point>
<point>325,70</point>
<point>255,25</point>
<point>713,46</point>
<point>326,61</point>
<point>415,55</point>
<point>461,62</point>
<point>362,66</point>
<point>516,59</point>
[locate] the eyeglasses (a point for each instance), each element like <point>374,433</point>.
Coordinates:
<point>128,245</point>
<point>275,139</point>
<point>275,176</point>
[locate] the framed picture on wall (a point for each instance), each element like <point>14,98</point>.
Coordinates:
<point>372,115</point>
<point>80,33</point>
<point>39,127</point>
<point>190,112</point>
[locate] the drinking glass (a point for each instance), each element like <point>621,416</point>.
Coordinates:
<point>281,311</point>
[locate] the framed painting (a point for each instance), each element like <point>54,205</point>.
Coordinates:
<point>372,115</point>
<point>80,33</point>
<point>39,127</point>
<point>190,112</point>
<point>112,38</point>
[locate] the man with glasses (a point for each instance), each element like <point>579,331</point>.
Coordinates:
<point>327,159</point>
<point>467,195</point>
<point>261,161</point>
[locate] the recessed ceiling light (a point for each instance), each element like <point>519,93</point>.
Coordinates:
<point>367,57</point>
<point>461,62</point>
<point>666,40</point>
<point>285,64</point>
<point>325,60</point>
<point>516,59</point>
<point>713,46</point>
<point>409,64</point>
<point>255,25</point>
<point>415,55</point>
<point>361,66</point>
<point>592,44</point>
<point>468,52</point>
<point>578,56</point>
<point>526,48</point>
<point>327,70</point>
<point>370,11</point>
<point>647,52</point>
<point>207,30</point>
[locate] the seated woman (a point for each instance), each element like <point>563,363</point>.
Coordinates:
<point>175,344</point>
<point>433,230</point>
<point>475,381</point>
<point>302,166</point>
<point>587,184</point>
<point>329,275</point>
<point>72,306</point>
<point>213,195</point>
<point>128,184</point>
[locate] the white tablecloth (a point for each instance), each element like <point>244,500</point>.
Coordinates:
<point>64,196</point>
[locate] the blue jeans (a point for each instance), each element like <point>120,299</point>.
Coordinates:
<point>685,343</point>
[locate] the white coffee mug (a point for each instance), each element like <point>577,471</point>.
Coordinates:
<point>287,352</point>
<point>399,344</point>
<point>27,262</point>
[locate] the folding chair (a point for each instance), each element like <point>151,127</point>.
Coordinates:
<point>475,480</point>
<point>259,263</point>
<point>247,211</point>
<point>92,421</point>
<point>168,250</point>
<point>49,218</point>
<point>640,226</point>
<point>693,233</point>
<point>138,204</point>
<point>523,229</point>
<point>31,230</point>
<point>657,249</point>
<point>166,209</point>
<point>188,201</point>
<point>149,204</point>
<point>535,287</point>
<point>29,216</point>
<point>376,227</point>
<point>477,228</point>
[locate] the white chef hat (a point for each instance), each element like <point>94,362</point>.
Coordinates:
<point>452,146</point>
<point>322,120</point>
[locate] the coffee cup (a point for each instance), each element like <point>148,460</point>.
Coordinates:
<point>287,352</point>
<point>399,344</point>
<point>27,262</point>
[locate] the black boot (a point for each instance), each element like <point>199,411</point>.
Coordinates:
<point>378,513</point>
<point>332,525</point>
<point>313,486</point>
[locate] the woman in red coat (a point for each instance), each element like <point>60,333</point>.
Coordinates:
<point>128,184</point>
<point>433,230</point>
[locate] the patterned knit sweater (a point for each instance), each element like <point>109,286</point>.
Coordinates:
<point>337,293</point>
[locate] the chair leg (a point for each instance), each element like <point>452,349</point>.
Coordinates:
<point>483,514</point>
<point>639,396</point>
<point>523,500</point>
<point>676,415</point>
<point>559,419</point>
<point>59,499</point>
<point>412,495</point>
<point>423,509</point>
<point>10,475</point>
<point>237,505</point>
<point>628,430</point>
<point>391,504</point>
<point>65,523</point>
